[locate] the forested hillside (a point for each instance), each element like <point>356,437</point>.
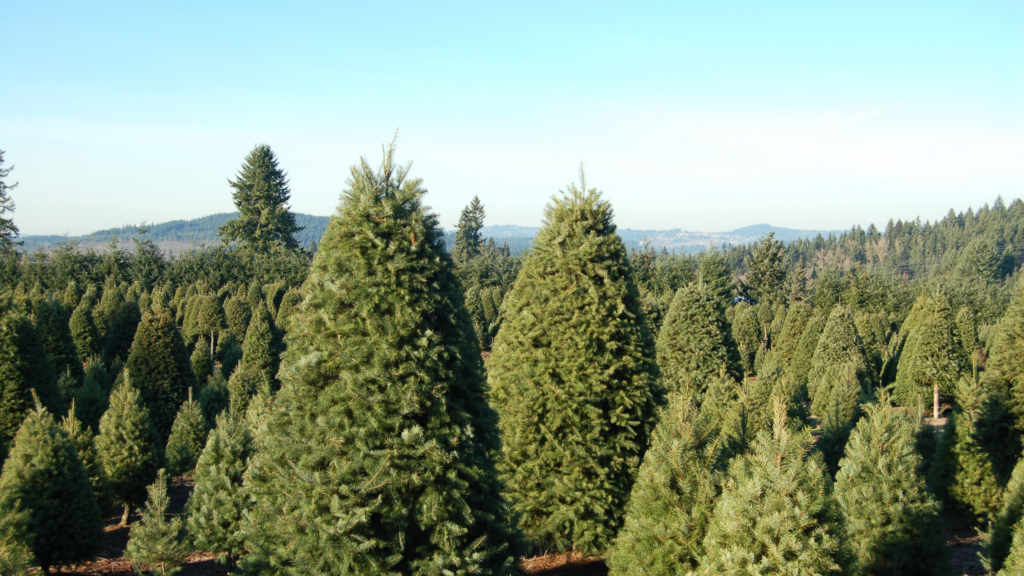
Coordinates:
<point>405,401</point>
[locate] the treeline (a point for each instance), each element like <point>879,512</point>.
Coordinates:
<point>399,403</point>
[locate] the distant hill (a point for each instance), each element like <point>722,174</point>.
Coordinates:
<point>179,235</point>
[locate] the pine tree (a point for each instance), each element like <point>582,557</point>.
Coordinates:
<point>83,327</point>
<point>218,501</point>
<point>121,335</point>
<point>891,521</point>
<point>803,355</point>
<point>746,334</point>
<point>573,376</point>
<point>15,552</point>
<point>160,367</point>
<point>839,346</point>
<point>188,436</point>
<point>775,514</point>
<point>673,497</point>
<point>930,361</point>
<point>1000,535</point>
<point>1014,564</point>
<point>467,232</point>
<point>379,451</point>
<point>45,474</point>
<point>785,346</point>
<point>159,543</point>
<point>695,342</point>
<point>261,195</point>
<point>128,447</point>
<point>201,361</point>
<point>51,321</point>
<point>214,397</point>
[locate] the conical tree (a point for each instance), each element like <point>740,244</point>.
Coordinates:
<point>792,329</point>
<point>715,274</point>
<point>261,195</point>
<point>160,367</point>
<point>1015,560</point>
<point>674,494</point>
<point>188,436</point>
<point>45,474</point>
<point>695,342</point>
<point>574,378</point>
<point>107,307</point>
<point>202,361</point>
<point>746,334</point>
<point>839,346</point>
<point>1004,369</point>
<point>803,355</point>
<point>121,335</point>
<point>776,514</point>
<point>128,447</point>
<point>237,316</point>
<point>214,397</point>
<point>243,385</point>
<point>51,320</point>
<point>930,363</point>
<point>839,411</point>
<point>83,327</point>
<point>467,232</point>
<point>218,501</point>
<point>379,453</point>
<point>92,399</point>
<point>891,521</point>
<point>1000,535</point>
<point>15,552</point>
<point>156,542</point>
<point>258,354</point>
<point>210,319</point>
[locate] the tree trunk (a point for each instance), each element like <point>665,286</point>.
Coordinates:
<point>127,513</point>
<point>935,400</point>
<point>211,343</point>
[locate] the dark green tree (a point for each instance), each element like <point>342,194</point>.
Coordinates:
<point>574,378</point>
<point>715,275</point>
<point>891,521</point>
<point>128,447</point>
<point>803,355</point>
<point>838,407</point>
<point>160,367</point>
<point>83,327</point>
<point>214,397</point>
<point>467,232</point>
<point>15,553</point>
<point>109,303</point>
<point>243,385</point>
<point>8,231</point>
<point>1004,370</point>
<point>695,342</point>
<point>839,347</point>
<point>930,363</point>
<point>674,495</point>
<point>92,399</point>
<point>261,195</point>
<point>210,319</point>
<point>159,543</point>
<point>1000,535</point>
<point>51,320</point>
<point>84,441</point>
<point>258,353</point>
<point>379,452</point>
<point>797,317</point>
<point>121,335</point>
<point>1015,560</point>
<point>202,361</point>
<point>45,474</point>
<point>188,436</point>
<point>237,315</point>
<point>767,269</point>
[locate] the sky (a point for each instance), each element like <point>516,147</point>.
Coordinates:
<point>704,116</point>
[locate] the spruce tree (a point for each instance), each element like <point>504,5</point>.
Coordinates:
<point>776,514</point>
<point>803,355</point>
<point>160,367</point>
<point>930,362</point>
<point>218,502</point>
<point>261,196</point>
<point>45,474</point>
<point>15,552</point>
<point>201,361</point>
<point>1000,535</point>
<point>128,447</point>
<point>156,542</point>
<point>51,321</point>
<point>83,327</point>
<point>891,521</point>
<point>839,346</point>
<point>121,335</point>
<point>467,232</point>
<point>695,342</point>
<point>574,378</point>
<point>673,497</point>
<point>379,452</point>
<point>188,436</point>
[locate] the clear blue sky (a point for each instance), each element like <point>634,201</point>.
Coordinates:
<point>695,115</point>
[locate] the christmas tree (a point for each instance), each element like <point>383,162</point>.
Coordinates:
<point>160,543</point>
<point>160,367</point>
<point>188,436</point>
<point>1000,535</point>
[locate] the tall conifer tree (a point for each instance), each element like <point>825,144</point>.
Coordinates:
<point>800,364</point>
<point>1000,535</point>
<point>467,233</point>
<point>188,436</point>
<point>261,195</point>
<point>930,363</point>
<point>52,324</point>
<point>83,327</point>
<point>160,366</point>
<point>792,329</point>
<point>839,346</point>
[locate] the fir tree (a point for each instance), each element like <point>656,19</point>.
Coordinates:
<point>574,378</point>
<point>767,270</point>
<point>775,514</point>
<point>258,354</point>
<point>83,327</point>
<point>261,195</point>
<point>67,386</point>
<point>83,440</point>
<point>838,411</point>
<point>237,315</point>
<point>1000,535</point>
<point>891,521</point>
<point>188,436</point>
<point>1014,564</point>
<point>160,367</point>
<point>210,319</point>
<point>159,543</point>
<point>128,447</point>
<point>202,361</point>
<point>214,397</point>
<point>747,335</point>
<point>715,275</point>
<point>121,334</point>
<point>45,474</point>
<point>673,497</point>
<point>839,347</point>
<point>289,303</point>
<point>218,502</point>
<point>793,328</point>
<point>972,481</point>
<point>8,231</point>
<point>92,399</point>
<point>1004,369</point>
<point>379,451</point>
<point>243,385</point>
<point>695,342</point>
<point>467,232</point>
<point>803,355</point>
<point>51,320</point>
<point>15,553</point>
<point>104,312</point>
<point>930,361</point>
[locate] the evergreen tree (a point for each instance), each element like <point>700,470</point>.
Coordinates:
<point>8,231</point>
<point>210,318</point>
<point>51,320</point>
<point>379,452</point>
<point>803,355</point>
<point>839,411</point>
<point>121,335</point>
<point>793,328</point>
<point>930,361</point>
<point>188,436</point>
<point>83,440</point>
<point>574,378</point>
<point>128,447</point>
<point>715,275</point>
<point>218,501</point>
<point>92,399</point>
<point>159,543</point>
<point>237,315</point>
<point>1015,559</point>
<point>838,347</point>
<point>467,232</point>
<point>243,385</point>
<point>891,521</point>
<point>767,269</point>
<point>261,195</point>
<point>972,485</point>
<point>673,497</point>
<point>289,303</point>
<point>109,303</point>
<point>695,342</point>
<point>1000,535</point>
<point>159,365</point>
<point>45,474</point>
<point>202,361</point>
<point>1004,370</point>
<point>747,335</point>
<point>258,354</point>
<point>966,329</point>
<point>214,397</point>
<point>775,514</point>
<point>83,327</point>
<point>15,553</point>
<point>67,386</point>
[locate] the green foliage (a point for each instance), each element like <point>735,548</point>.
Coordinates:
<point>209,317</point>
<point>83,439</point>
<point>1005,369</point>
<point>695,343</point>
<point>973,488</point>
<point>289,302</point>
<point>839,347</point>
<point>237,315</point>
<point>838,411</point>
<point>83,328</point>
<point>890,519</point>
<point>188,436</point>
<point>715,275</point>
<point>378,455</point>
<point>121,335</point>
<point>218,502</point>
<point>767,269</point>
<point>261,196</point>
<point>45,474</point>
<point>1000,536</point>
<point>8,231</point>
<point>786,344</point>
<point>159,365</point>
<point>800,365</point>
<point>775,514</point>
<point>467,232</point>
<point>158,543</point>
<point>214,397</point>
<point>673,497</point>
<point>1015,559</point>
<point>104,312</point>
<point>243,385</point>
<point>51,320</point>
<point>931,355</point>
<point>67,386</point>
<point>92,399</point>
<point>15,552</point>
<point>574,378</point>
<point>201,361</point>
<point>258,353</point>
<point>128,446</point>
<point>747,334</point>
